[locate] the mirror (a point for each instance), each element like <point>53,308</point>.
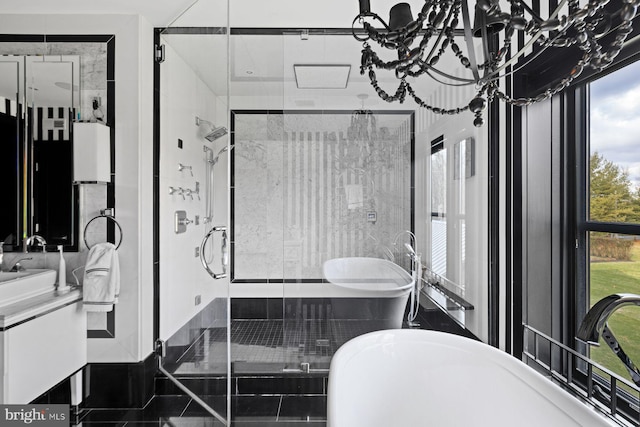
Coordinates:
<point>46,95</point>
<point>47,83</point>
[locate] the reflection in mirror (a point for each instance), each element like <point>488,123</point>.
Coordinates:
<point>39,154</point>
<point>50,98</point>
<point>438,207</point>
<point>10,147</point>
<point>40,90</point>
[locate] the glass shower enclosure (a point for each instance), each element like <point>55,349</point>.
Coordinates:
<point>316,176</point>
<point>192,146</point>
<point>257,225</point>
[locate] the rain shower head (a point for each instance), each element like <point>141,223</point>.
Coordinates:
<point>210,131</point>
<point>216,133</point>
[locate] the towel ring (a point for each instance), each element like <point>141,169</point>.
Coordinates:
<point>102,216</point>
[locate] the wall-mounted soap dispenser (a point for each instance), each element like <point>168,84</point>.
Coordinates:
<point>91,153</point>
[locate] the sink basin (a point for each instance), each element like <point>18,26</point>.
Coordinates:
<point>15,286</point>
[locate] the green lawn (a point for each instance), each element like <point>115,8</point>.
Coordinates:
<point>618,277</point>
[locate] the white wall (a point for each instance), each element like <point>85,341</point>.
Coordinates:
<point>134,162</point>
<point>182,277</point>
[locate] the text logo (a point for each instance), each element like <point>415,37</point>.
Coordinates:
<point>34,415</point>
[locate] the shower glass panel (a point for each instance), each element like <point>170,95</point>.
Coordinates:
<point>320,171</point>
<point>346,194</point>
<point>256,226</point>
<point>193,207</point>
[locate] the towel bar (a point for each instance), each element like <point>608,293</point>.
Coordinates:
<point>103,214</point>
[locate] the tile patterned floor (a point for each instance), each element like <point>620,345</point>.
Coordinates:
<point>268,401</point>
<point>276,342</point>
<point>250,411</point>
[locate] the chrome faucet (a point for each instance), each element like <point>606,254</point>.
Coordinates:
<point>595,324</point>
<point>17,266</point>
<point>416,275</point>
<point>411,247</point>
<point>35,239</point>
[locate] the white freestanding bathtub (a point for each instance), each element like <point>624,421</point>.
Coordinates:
<point>403,378</point>
<point>377,288</point>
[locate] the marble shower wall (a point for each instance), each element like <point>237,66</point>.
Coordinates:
<point>305,188</point>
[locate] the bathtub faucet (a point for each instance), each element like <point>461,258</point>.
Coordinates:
<point>416,274</point>
<point>595,324</point>
<point>411,246</point>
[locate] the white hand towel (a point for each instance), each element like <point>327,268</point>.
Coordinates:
<point>355,198</point>
<point>101,283</point>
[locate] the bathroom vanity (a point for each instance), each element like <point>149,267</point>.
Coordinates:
<point>43,336</point>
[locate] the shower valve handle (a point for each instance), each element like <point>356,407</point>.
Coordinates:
<point>181,167</point>
<point>197,190</point>
<point>178,190</point>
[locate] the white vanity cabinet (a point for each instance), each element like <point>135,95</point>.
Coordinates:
<point>43,340</point>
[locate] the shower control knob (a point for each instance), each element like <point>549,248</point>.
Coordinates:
<point>178,190</point>
<point>181,167</point>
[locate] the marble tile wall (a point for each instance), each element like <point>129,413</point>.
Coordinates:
<point>305,185</point>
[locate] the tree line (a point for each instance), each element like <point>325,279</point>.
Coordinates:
<point>613,198</point>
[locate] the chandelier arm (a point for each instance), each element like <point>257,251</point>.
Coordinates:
<point>353,31</point>
<point>374,16</point>
<point>533,14</point>
<point>522,51</point>
<point>473,64</point>
<point>427,67</point>
<point>526,62</point>
<point>445,83</point>
<point>485,43</point>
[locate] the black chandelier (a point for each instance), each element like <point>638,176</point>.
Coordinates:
<point>438,22</point>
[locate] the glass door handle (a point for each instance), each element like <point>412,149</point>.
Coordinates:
<point>225,252</point>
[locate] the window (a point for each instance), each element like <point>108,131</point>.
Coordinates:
<point>612,225</point>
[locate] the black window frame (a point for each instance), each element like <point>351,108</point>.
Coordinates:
<point>579,112</point>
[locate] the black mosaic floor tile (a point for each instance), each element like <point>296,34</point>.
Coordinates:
<point>159,407</point>
<point>262,408</point>
<point>303,408</point>
<point>280,385</point>
<point>217,403</point>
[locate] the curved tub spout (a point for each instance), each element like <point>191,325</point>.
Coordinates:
<point>595,324</point>
<point>416,274</point>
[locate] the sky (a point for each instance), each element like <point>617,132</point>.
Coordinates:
<point>615,119</point>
